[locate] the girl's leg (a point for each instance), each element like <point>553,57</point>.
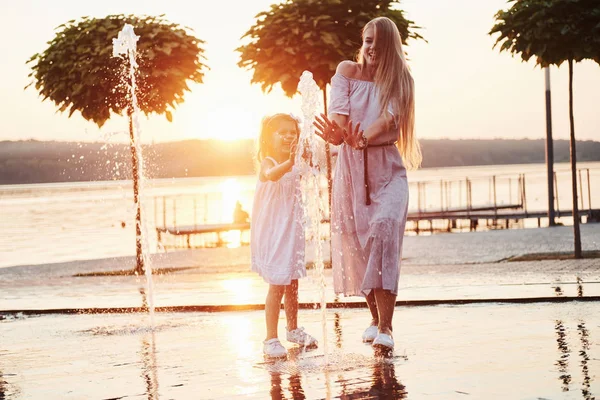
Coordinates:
<point>272,307</point>
<point>290,304</point>
<point>373,308</point>
<point>386,302</point>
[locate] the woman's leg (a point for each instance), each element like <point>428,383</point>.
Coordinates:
<point>386,302</point>
<point>290,304</point>
<point>373,308</point>
<point>272,307</point>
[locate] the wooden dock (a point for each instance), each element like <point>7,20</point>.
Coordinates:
<point>490,218</point>
<point>422,222</point>
<point>503,205</point>
<point>187,231</point>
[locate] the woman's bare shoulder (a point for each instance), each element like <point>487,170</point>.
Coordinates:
<point>349,69</point>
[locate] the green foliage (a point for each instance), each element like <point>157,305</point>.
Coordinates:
<point>79,73</point>
<point>312,35</point>
<point>552,31</point>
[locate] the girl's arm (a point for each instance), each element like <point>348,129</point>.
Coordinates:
<point>271,172</point>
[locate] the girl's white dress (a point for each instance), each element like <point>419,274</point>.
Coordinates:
<point>277,235</point>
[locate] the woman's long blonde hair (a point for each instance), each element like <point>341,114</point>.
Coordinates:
<point>395,85</point>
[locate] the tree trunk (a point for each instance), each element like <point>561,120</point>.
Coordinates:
<point>574,166</point>
<point>329,182</point>
<point>328,156</point>
<point>549,151</point>
<point>139,265</point>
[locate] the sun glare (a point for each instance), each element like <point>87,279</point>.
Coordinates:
<point>240,290</point>
<point>230,194</point>
<point>216,121</point>
<point>240,332</point>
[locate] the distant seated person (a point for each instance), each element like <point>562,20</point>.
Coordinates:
<point>239,215</point>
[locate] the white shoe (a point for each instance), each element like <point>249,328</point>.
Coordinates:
<point>370,334</point>
<point>300,337</point>
<point>384,341</point>
<point>272,348</point>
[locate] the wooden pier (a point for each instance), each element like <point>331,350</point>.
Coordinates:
<point>188,231</point>
<point>456,208</point>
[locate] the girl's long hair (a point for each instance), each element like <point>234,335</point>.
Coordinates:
<point>395,85</point>
<point>269,125</point>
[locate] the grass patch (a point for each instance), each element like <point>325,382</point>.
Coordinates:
<point>554,256</point>
<point>131,272</point>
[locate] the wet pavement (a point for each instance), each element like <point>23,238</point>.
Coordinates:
<point>538,348</point>
<point>533,351</point>
<point>208,277</point>
<point>199,287</point>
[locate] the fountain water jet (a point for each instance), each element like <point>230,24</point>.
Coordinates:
<point>126,44</point>
<point>312,201</point>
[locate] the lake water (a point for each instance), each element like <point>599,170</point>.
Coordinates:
<point>48,223</point>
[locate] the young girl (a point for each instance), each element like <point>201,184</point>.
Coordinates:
<point>277,235</point>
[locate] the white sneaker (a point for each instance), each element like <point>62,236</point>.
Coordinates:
<point>370,334</point>
<point>272,348</point>
<point>300,337</point>
<point>384,341</point>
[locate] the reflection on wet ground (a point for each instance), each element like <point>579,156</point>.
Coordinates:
<point>542,342</point>
<point>491,351</point>
<point>150,368</point>
<point>382,384</point>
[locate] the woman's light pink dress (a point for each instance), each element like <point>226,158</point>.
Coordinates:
<point>366,239</point>
<point>277,234</point>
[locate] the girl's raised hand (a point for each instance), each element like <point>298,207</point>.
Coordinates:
<point>293,150</point>
<point>354,136</point>
<point>329,130</point>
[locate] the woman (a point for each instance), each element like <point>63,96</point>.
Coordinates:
<point>370,190</point>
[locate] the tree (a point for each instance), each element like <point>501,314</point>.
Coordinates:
<point>313,35</point>
<point>554,31</point>
<point>79,73</point>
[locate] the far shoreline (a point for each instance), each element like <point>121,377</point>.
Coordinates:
<point>101,184</point>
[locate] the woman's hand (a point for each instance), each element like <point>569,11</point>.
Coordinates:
<point>329,130</point>
<point>355,137</point>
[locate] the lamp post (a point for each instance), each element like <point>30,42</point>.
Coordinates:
<point>549,150</point>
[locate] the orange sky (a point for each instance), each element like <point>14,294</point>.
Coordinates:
<point>464,88</point>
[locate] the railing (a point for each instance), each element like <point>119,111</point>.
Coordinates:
<point>495,197</point>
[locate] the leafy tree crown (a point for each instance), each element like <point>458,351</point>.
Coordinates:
<point>79,73</point>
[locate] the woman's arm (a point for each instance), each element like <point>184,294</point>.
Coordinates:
<point>329,129</point>
<point>340,119</point>
<point>358,139</point>
<point>382,125</point>
<point>349,70</point>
